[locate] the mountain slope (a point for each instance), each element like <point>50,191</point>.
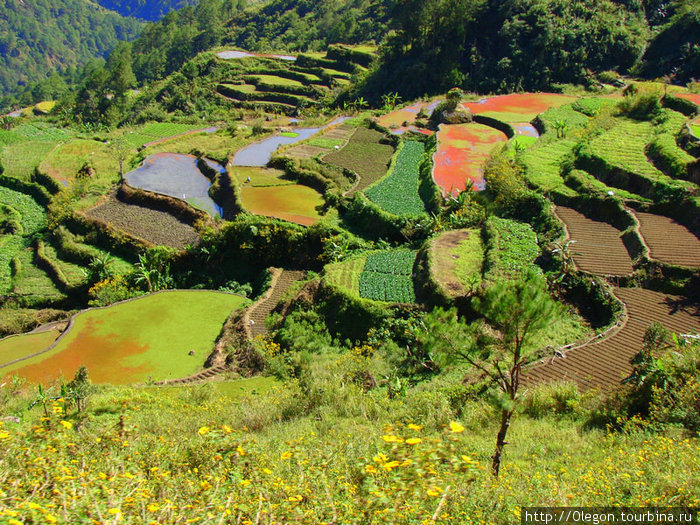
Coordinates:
<point>38,37</point>
<point>145,9</point>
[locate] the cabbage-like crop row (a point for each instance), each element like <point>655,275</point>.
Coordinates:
<point>387,276</point>
<point>397,193</point>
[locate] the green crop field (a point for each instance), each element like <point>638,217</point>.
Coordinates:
<point>387,276</point>
<point>21,346</point>
<point>64,162</point>
<point>149,337</point>
<point>272,80</point>
<point>32,283</point>
<point>365,155</point>
<point>586,181</point>
<point>157,131</point>
<point>33,215</point>
<point>327,143</point>
<point>574,119</point>
<point>511,249</point>
<point>259,177</point>
<point>397,193</point>
<point>543,165</point>
<point>346,274</point>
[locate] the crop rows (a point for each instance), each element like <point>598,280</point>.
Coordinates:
<point>669,241</point>
<point>543,165</point>
<point>387,276</point>
<point>604,364</point>
<point>598,248</point>
<point>398,192</point>
<point>365,155</point>
<point>154,226</point>
<point>156,131</point>
<point>511,249</point>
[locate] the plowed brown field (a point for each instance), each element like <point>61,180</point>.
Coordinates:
<point>605,363</point>
<point>669,241</point>
<point>598,243</point>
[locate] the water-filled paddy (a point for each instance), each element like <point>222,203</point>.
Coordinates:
<point>518,107</point>
<point>178,176</point>
<point>462,151</point>
<point>235,54</point>
<point>132,341</point>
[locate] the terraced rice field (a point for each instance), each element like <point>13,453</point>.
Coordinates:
<point>293,202</point>
<point>693,97</point>
<point>20,346</point>
<point>605,363</point>
<point>669,241</point>
<point>543,166</point>
<point>65,161</point>
<point>456,260</point>
<point>462,151</point>
<point>518,107</point>
<point>178,176</point>
<point>324,143</point>
<point>156,227</point>
<point>130,342</point>
<point>598,243</point>
<point>365,155</point>
<point>157,132</point>
<point>259,177</point>
<point>398,192</point>
<point>395,120</point>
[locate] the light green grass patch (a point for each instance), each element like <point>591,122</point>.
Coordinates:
<point>132,341</point>
<point>259,177</point>
<point>273,80</point>
<point>64,162</point>
<point>157,131</point>
<point>21,346</point>
<point>250,386</point>
<point>470,259</point>
<point>346,274</point>
<point>543,165</point>
<point>322,142</point>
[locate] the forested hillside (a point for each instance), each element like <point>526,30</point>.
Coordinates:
<point>41,36</point>
<point>145,9</point>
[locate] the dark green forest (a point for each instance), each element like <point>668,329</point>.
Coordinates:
<point>426,46</point>
<point>145,9</point>
<point>39,37</point>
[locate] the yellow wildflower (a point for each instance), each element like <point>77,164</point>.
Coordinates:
<point>413,426</point>
<point>456,427</point>
<point>286,455</point>
<point>390,438</point>
<point>50,518</point>
<point>390,465</point>
<point>434,491</point>
<point>66,424</point>
<point>203,431</point>
<point>240,450</point>
<point>413,441</point>
<point>153,507</point>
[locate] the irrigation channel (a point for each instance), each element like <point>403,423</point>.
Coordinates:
<point>178,176</point>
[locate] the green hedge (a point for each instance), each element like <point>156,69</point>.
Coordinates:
<point>47,182</point>
<point>346,54</point>
<point>312,62</point>
<point>53,271</point>
<point>671,159</point>
<point>39,193</point>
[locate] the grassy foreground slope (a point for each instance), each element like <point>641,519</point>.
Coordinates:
<point>319,456</point>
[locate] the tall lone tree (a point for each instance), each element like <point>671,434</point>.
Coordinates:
<point>498,346</point>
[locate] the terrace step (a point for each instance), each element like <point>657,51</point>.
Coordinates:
<point>255,315</point>
<point>203,375</point>
<point>604,361</point>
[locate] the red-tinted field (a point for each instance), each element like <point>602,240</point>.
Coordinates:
<point>462,151</point>
<point>693,97</point>
<point>518,107</point>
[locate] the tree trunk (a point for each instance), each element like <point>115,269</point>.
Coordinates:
<point>500,441</point>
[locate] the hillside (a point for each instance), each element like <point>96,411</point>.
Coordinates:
<point>38,37</point>
<point>145,9</point>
